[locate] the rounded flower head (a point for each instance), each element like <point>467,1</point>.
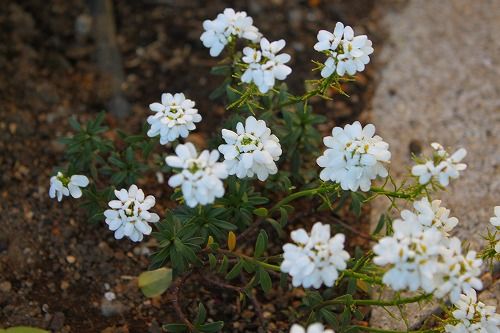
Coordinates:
<point>441,167</point>
<point>60,186</point>
<point>200,175</point>
<point>354,157</point>
<point>129,214</point>
<point>265,66</point>
<point>471,315</point>
<point>251,150</point>
<point>313,328</point>
<point>346,53</point>
<point>314,259</point>
<point>419,255</point>
<point>228,25</point>
<point>175,116</point>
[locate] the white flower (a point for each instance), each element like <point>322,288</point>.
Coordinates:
<point>412,253</point>
<point>421,256</point>
<point>346,53</point>
<point>60,186</point>
<point>129,215</point>
<point>442,166</point>
<point>315,259</point>
<point>458,272</point>
<point>313,328</point>
<point>175,116</point>
<point>200,175</point>
<point>228,25</point>
<point>472,315</point>
<point>265,66</point>
<point>495,220</point>
<point>354,157</point>
<point>251,150</point>
<point>433,215</point>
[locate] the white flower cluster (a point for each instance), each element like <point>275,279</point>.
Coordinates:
<point>472,315</point>
<point>314,259</point>
<point>252,150</point>
<point>129,215</point>
<point>442,166</point>
<point>60,186</point>
<point>175,116</point>
<point>265,66</point>
<point>228,25</point>
<point>313,328</point>
<point>422,256</point>
<point>345,52</point>
<point>200,175</point>
<point>354,157</point>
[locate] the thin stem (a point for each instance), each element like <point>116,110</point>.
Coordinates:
<point>393,194</point>
<point>362,276</point>
<point>374,302</point>
<point>300,194</point>
<point>251,259</point>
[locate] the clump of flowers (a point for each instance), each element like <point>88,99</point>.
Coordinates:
<point>174,117</point>
<point>199,175</point>
<point>346,53</point>
<point>421,256</point>
<point>265,66</point>
<point>313,328</point>
<point>208,233</point>
<point>355,157</point>
<point>441,167</point>
<point>472,315</point>
<point>225,28</point>
<point>129,215</point>
<point>61,185</point>
<point>251,150</point>
<point>315,259</point>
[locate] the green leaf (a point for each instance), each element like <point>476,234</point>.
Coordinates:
<point>330,318</point>
<point>202,314</point>
<point>235,271</point>
<point>260,244</point>
<point>262,212</point>
<point>212,327</point>
<point>380,224</point>
<point>154,283</point>
<point>175,328</point>
<point>284,216</point>
<point>212,260</point>
<point>23,329</point>
<point>265,280</point>
<point>74,124</point>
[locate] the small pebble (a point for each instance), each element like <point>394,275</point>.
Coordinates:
<point>71,259</point>
<point>5,286</point>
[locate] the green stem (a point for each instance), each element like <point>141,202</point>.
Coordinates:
<point>375,302</point>
<point>251,259</point>
<point>380,330</point>
<point>300,194</point>
<point>393,194</point>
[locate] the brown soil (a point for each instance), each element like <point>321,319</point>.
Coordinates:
<point>53,264</point>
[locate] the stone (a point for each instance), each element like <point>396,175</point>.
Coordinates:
<point>432,88</point>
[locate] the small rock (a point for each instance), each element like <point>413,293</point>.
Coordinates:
<point>64,285</point>
<point>111,308</point>
<point>71,259</point>
<point>5,286</point>
<point>57,321</point>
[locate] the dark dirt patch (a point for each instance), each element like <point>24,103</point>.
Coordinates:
<point>55,263</point>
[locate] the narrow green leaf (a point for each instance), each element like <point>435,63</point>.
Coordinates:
<point>265,280</point>
<point>174,328</point>
<point>235,271</point>
<point>262,212</point>
<point>260,244</point>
